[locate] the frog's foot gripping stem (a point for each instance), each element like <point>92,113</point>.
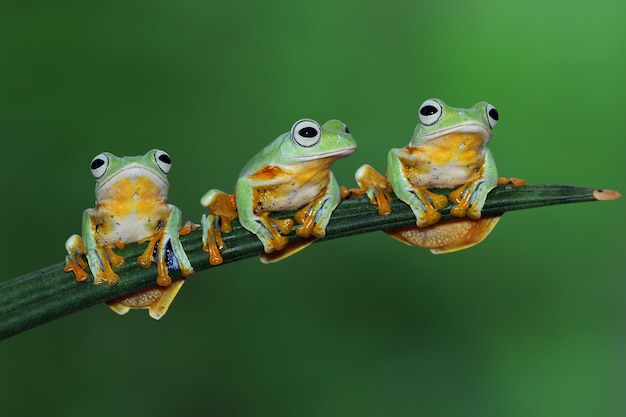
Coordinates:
<point>223,205</point>
<point>101,261</point>
<point>469,199</point>
<point>310,218</point>
<point>271,232</point>
<point>428,206</point>
<point>106,260</point>
<point>376,186</point>
<point>75,260</point>
<point>517,182</point>
<point>212,241</point>
<point>156,299</point>
<point>223,210</point>
<point>166,238</point>
<point>188,227</point>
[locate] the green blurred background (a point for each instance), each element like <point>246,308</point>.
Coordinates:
<point>529,323</point>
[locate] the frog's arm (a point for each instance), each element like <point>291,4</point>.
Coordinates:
<point>470,198</point>
<point>171,236</point>
<point>165,238</point>
<point>101,260</point>
<point>423,203</point>
<point>314,217</point>
<point>267,230</point>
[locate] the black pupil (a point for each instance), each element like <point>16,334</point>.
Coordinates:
<point>428,110</point>
<point>346,129</point>
<point>308,132</point>
<point>493,113</point>
<point>165,158</point>
<point>97,163</point>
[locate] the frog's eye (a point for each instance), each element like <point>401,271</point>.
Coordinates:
<point>306,132</point>
<point>99,165</point>
<point>492,115</point>
<point>430,112</point>
<point>163,161</point>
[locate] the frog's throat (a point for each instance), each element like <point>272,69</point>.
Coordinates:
<point>336,153</point>
<point>465,127</point>
<point>134,171</point>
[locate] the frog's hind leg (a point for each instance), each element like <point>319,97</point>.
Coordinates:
<point>98,256</point>
<point>221,204</point>
<point>156,299</point>
<point>223,210</point>
<point>75,261</point>
<point>212,241</point>
<point>450,236</point>
<point>376,187</point>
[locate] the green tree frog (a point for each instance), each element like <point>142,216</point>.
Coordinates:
<point>291,173</point>
<point>448,151</point>
<point>131,207</point>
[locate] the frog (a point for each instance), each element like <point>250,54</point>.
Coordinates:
<point>448,151</point>
<point>291,173</point>
<point>131,207</point>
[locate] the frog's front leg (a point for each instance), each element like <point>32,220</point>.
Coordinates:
<point>169,237</point>
<point>376,187</point>
<point>470,198</point>
<point>314,217</point>
<point>268,230</point>
<point>423,203</point>
<point>99,257</point>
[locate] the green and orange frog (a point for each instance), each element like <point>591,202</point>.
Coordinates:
<point>131,207</point>
<point>291,173</point>
<point>448,152</point>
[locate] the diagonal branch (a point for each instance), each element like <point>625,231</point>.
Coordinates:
<point>50,293</point>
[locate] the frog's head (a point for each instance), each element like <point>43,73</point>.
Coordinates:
<point>436,119</point>
<point>308,141</point>
<point>107,168</point>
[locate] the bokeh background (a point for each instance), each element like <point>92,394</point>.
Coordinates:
<point>529,323</point>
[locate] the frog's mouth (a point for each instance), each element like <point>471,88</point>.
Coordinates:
<point>135,172</point>
<point>336,153</point>
<point>466,127</point>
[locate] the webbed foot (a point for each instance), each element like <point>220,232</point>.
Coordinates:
<point>156,299</point>
<point>272,231</point>
<point>212,241</point>
<point>376,186</point>
<point>75,260</point>
<point>450,236</point>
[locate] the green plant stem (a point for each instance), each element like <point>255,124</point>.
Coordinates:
<point>44,295</point>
